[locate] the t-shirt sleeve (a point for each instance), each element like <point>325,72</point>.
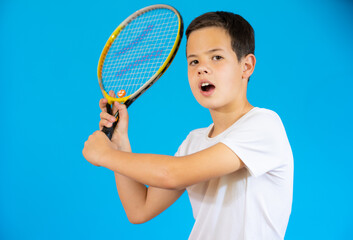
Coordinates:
<point>260,142</point>
<point>181,149</point>
<point>177,154</point>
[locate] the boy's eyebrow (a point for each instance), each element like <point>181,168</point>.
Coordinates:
<point>209,51</point>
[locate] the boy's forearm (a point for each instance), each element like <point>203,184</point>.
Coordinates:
<point>149,169</point>
<point>132,195</point>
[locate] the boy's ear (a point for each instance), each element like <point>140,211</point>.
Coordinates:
<point>248,65</point>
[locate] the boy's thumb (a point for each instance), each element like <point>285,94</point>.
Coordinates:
<point>121,108</point>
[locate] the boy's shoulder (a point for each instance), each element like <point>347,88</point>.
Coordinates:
<point>261,116</point>
<point>259,122</point>
<point>263,112</point>
<point>256,115</point>
<point>256,121</point>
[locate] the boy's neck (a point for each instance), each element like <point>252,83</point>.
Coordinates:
<point>226,118</point>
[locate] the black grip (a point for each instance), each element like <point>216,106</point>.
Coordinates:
<point>109,131</point>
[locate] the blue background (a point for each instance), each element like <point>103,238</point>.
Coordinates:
<point>49,102</point>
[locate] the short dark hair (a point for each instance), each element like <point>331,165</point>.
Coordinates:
<point>240,31</point>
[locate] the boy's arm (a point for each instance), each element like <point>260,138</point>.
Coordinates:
<point>140,203</point>
<point>163,171</point>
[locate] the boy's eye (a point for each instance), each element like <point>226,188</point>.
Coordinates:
<point>193,62</point>
<point>217,57</point>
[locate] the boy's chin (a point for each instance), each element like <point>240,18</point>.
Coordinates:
<point>210,104</point>
<point>218,104</point>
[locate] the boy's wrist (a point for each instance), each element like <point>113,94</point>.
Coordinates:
<point>106,157</point>
<point>121,142</point>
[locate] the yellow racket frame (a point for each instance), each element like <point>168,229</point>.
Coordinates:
<point>115,34</point>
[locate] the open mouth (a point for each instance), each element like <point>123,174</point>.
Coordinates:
<point>207,87</point>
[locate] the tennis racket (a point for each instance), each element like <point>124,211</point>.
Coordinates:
<point>137,54</point>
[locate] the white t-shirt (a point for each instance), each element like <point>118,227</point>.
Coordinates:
<point>254,202</point>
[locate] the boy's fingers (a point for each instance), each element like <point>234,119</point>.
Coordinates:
<point>119,107</point>
<point>112,94</point>
<point>106,116</point>
<point>104,123</point>
<point>103,104</point>
<point>116,107</point>
<point>122,110</point>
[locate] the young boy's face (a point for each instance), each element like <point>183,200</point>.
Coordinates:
<point>215,74</point>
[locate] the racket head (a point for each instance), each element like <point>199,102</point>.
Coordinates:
<point>139,51</point>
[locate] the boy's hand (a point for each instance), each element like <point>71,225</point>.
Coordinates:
<point>120,135</point>
<point>95,147</point>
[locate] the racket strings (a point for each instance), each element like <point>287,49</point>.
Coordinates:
<point>140,50</point>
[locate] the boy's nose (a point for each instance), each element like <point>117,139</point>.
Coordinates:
<point>203,70</point>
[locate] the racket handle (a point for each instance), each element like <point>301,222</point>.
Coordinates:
<point>109,131</point>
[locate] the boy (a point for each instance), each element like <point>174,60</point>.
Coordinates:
<point>238,172</point>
